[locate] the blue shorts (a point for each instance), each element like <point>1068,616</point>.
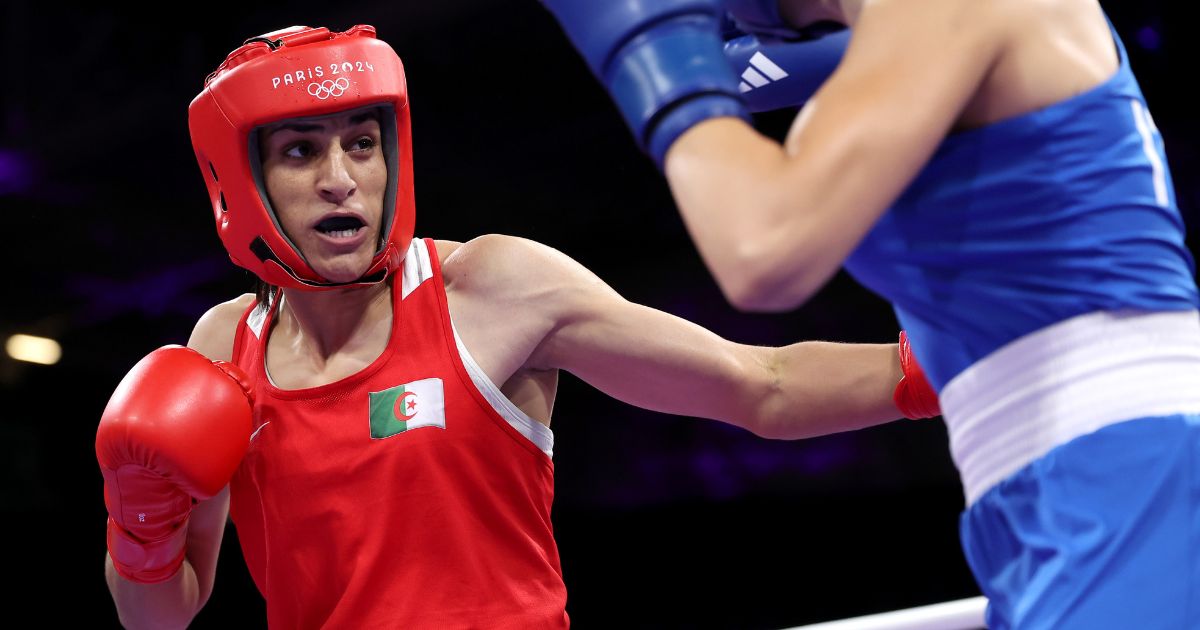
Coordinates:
<point>1101,532</point>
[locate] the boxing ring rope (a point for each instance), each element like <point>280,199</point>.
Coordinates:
<point>963,614</point>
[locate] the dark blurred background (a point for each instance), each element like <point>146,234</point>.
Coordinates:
<point>663,522</point>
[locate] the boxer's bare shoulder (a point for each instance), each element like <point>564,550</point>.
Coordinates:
<point>445,249</point>
<point>214,332</point>
<point>504,294</point>
<point>508,271</point>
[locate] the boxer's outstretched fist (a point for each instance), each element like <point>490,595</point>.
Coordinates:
<point>914,396</point>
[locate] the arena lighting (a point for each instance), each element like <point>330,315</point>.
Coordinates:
<point>33,349</point>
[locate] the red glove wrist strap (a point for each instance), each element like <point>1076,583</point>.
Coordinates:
<point>914,396</point>
<point>146,562</point>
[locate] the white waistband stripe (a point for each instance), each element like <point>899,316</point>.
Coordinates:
<point>1065,381</point>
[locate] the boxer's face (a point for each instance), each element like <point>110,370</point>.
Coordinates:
<point>326,178</point>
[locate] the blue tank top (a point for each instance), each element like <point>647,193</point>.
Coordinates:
<point>1029,221</point>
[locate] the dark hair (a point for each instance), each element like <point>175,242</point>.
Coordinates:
<point>264,293</point>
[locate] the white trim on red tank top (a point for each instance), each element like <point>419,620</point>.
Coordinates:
<point>536,432</point>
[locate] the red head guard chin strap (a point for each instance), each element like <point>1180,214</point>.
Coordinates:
<point>296,73</point>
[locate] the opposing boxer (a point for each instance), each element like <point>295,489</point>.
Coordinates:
<point>993,170</point>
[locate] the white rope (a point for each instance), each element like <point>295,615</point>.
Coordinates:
<point>964,614</point>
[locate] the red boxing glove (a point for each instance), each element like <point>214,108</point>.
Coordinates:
<point>173,433</point>
<point>914,396</point>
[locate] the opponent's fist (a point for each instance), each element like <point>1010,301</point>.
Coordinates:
<point>914,396</point>
<point>762,18</point>
<point>776,73</point>
<point>173,433</point>
<point>661,62</point>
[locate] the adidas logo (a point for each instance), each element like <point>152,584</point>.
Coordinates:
<point>752,76</point>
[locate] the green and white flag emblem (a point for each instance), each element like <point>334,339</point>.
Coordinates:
<point>409,406</point>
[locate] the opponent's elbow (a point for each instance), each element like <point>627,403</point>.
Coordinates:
<point>759,281</point>
<point>749,296</point>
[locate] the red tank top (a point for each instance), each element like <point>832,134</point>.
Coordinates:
<point>404,496</point>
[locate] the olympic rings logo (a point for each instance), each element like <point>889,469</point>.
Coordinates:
<point>328,88</point>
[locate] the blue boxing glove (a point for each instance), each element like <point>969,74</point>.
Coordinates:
<point>661,60</point>
<point>777,74</point>
<point>761,17</point>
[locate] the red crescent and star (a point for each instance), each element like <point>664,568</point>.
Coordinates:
<point>407,401</point>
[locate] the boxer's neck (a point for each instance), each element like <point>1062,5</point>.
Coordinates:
<point>323,323</point>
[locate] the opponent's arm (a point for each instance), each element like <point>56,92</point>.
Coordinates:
<point>169,596</point>
<point>774,223</point>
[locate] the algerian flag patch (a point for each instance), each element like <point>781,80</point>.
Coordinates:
<point>409,406</point>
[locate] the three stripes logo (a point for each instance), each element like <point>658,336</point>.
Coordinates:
<point>761,71</point>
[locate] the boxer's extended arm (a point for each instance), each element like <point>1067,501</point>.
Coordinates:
<point>657,361</point>
<point>174,602</point>
<point>774,223</point>
<point>660,362</point>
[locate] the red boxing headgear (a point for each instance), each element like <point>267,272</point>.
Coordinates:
<point>295,73</point>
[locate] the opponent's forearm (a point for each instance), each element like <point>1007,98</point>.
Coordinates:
<point>750,228</point>
<point>819,388</point>
<point>168,604</point>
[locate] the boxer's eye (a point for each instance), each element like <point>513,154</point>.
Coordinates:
<point>298,150</point>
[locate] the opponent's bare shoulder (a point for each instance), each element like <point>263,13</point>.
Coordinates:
<point>214,332</point>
